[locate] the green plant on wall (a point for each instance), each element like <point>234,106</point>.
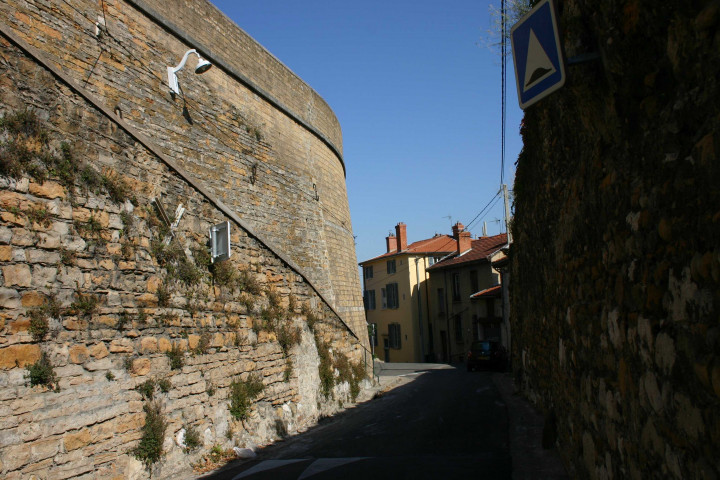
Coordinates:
<point>176,356</point>
<point>150,448</point>
<point>39,324</point>
<point>86,304</point>
<point>192,438</point>
<point>163,295</point>
<point>325,368</point>
<point>242,394</point>
<point>224,274</point>
<point>27,152</point>
<point>351,373</point>
<point>203,344</point>
<point>311,316</point>
<point>39,215</point>
<point>147,389</point>
<point>91,229</point>
<point>247,282</point>
<point>42,373</point>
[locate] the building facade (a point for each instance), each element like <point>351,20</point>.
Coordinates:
<point>466,295</point>
<point>397,297</point>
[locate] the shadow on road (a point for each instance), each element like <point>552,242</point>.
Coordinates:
<point>437,411</point>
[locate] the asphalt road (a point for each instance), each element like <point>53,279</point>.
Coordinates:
<point>446,423</point>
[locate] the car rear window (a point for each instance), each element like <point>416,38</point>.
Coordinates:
<point>480,347</point>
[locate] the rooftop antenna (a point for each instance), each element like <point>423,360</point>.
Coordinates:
<point>449,217</point>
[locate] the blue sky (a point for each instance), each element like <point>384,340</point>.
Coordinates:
<point>417,94</point>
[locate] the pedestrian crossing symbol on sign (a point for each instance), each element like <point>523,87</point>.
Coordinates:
<point>537,56</point>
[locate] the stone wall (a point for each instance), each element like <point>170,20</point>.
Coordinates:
<point>253,133</point>
<point>616,265</point>
<point>93,304</point>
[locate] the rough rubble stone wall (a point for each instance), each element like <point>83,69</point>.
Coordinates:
<point>616,262</point>
<point>51,248</point>
<point>280,177</point>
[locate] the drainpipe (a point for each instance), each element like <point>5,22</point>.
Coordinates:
<point>447,319</point>
<point>422,339</point>
<point>431,348</point>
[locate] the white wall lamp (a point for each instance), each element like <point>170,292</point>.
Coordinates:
<point>202,67</point>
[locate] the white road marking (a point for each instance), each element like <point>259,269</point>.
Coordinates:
<point>267,465</point>
<point>323,464</point>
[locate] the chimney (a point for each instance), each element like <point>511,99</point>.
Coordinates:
<point>401,232</point>
<point>391,241</point>
<point>464,241</point>
<point>457,228</point>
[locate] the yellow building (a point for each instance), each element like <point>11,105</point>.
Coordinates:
<point>465,295</point>
<point>397,299</point>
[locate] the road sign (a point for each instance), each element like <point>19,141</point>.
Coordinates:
<point>537,56</point>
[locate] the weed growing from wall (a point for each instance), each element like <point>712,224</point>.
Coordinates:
<point>311,316</point>
<point>39,215</point>
<point>353,374</point>
<point>150,448</point>
<point>287,374</point>
<point>325,368</point>
<point>67,257</point>
<point>128,364</point>
<point>163,295</point>
<point>91,229</point>
<point>86,304</point>
<point>203,344</point>
<point>176,356</point>
<point>39,324</point>
<point>42,373</point>
<point>287,336</point>
<point>224,274</point>
<point>242,394</point>
<point>192,438</point>
<point>147,389</point>
<point>164,385</point>
<point>247,282</point>
<point>348,372</point>
<point>27,152</point>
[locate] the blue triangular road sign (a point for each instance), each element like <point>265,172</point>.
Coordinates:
<point>537,56</point>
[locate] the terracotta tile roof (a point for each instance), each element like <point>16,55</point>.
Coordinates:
<point>441,244</point>
<point>479,250</point>
<point>487,293</point>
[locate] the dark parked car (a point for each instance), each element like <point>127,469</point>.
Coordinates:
<point>486,354</point>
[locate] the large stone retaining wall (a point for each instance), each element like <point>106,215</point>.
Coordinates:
<point>249,129</point>
<point>82,255</point>
<point>616,264</point>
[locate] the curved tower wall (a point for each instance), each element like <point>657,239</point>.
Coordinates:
<point>249,130</point>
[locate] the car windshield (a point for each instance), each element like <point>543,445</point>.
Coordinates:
<point>480,347</point>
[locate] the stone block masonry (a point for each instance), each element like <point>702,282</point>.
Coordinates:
<point>249,130</point>
<point>98,314</point>
<point>616,263</point>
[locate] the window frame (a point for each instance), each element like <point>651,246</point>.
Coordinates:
<point>369,300</point>
<point>395,335</point>
<point>457,323</point>
<point>368,272</point>
<point>391,266</point>
<point>474,282</point>
<point>456,287</point>
<point>393,297</point>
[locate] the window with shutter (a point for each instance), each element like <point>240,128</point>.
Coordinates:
<point>392,295</point>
